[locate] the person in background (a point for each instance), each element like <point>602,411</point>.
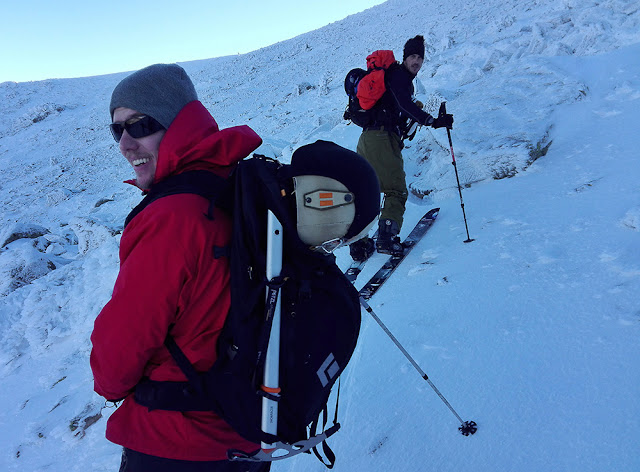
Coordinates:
<point>381,144</point>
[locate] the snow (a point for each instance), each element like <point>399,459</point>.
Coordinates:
<point>531,330</point>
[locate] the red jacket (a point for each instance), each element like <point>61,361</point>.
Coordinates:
<point>168,276</point>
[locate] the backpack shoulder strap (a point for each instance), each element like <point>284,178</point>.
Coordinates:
<point>199,182</point>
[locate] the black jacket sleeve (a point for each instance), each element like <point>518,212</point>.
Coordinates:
<point>400,87</point>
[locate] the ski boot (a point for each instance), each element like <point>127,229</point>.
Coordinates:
<point>388,241</point>
<point>362,249</point>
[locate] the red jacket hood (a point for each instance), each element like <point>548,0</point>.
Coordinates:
<point>194,142</point>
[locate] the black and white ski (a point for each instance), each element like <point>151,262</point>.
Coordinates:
<point>387,269</point>
<point>354,270</point>
<point>356,267</point>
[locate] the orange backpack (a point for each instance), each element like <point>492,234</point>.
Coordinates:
<point>371,87</point>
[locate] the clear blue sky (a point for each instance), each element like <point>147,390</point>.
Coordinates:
<point>42,39</point>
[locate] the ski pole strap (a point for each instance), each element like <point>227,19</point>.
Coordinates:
<point>453,157</point>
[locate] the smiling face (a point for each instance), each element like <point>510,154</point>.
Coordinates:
<point>142,153</point>
<point>413,63</point>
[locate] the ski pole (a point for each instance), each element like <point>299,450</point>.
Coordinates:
<point>441,113</point>
<point>466,427</point>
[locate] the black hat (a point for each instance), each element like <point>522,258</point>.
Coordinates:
<point>414,46</point>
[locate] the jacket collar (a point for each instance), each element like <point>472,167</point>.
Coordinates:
<point>194,142</point>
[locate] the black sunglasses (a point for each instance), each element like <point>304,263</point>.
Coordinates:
<point>137,127</point>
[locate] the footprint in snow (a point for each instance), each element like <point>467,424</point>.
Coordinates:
<point>631,219</point>
<point>607,113</point>
<point>443,281</point>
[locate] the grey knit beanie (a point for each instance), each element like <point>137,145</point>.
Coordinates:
<point>159,91</point>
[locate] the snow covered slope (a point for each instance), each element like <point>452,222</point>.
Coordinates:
<point>531,330</point>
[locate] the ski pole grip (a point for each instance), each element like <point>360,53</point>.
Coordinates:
<point>443,109</point>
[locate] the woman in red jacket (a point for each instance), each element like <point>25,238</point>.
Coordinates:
<point>169,278</point>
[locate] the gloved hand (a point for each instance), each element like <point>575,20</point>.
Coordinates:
<point>444,121</point>
<point>419,104</point>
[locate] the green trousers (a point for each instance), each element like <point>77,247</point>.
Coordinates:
<point>383,150</point>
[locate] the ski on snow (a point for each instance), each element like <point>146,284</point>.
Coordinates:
<point>356,267</point>
<point>354,270</point>
<point>380,277</point>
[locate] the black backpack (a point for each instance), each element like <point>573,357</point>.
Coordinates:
<point>354,112</point>
<point>361,108</point>
<point>320,310</point>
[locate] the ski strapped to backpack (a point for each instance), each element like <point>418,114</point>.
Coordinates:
<point>294,318</point>
<point>365,87</point>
